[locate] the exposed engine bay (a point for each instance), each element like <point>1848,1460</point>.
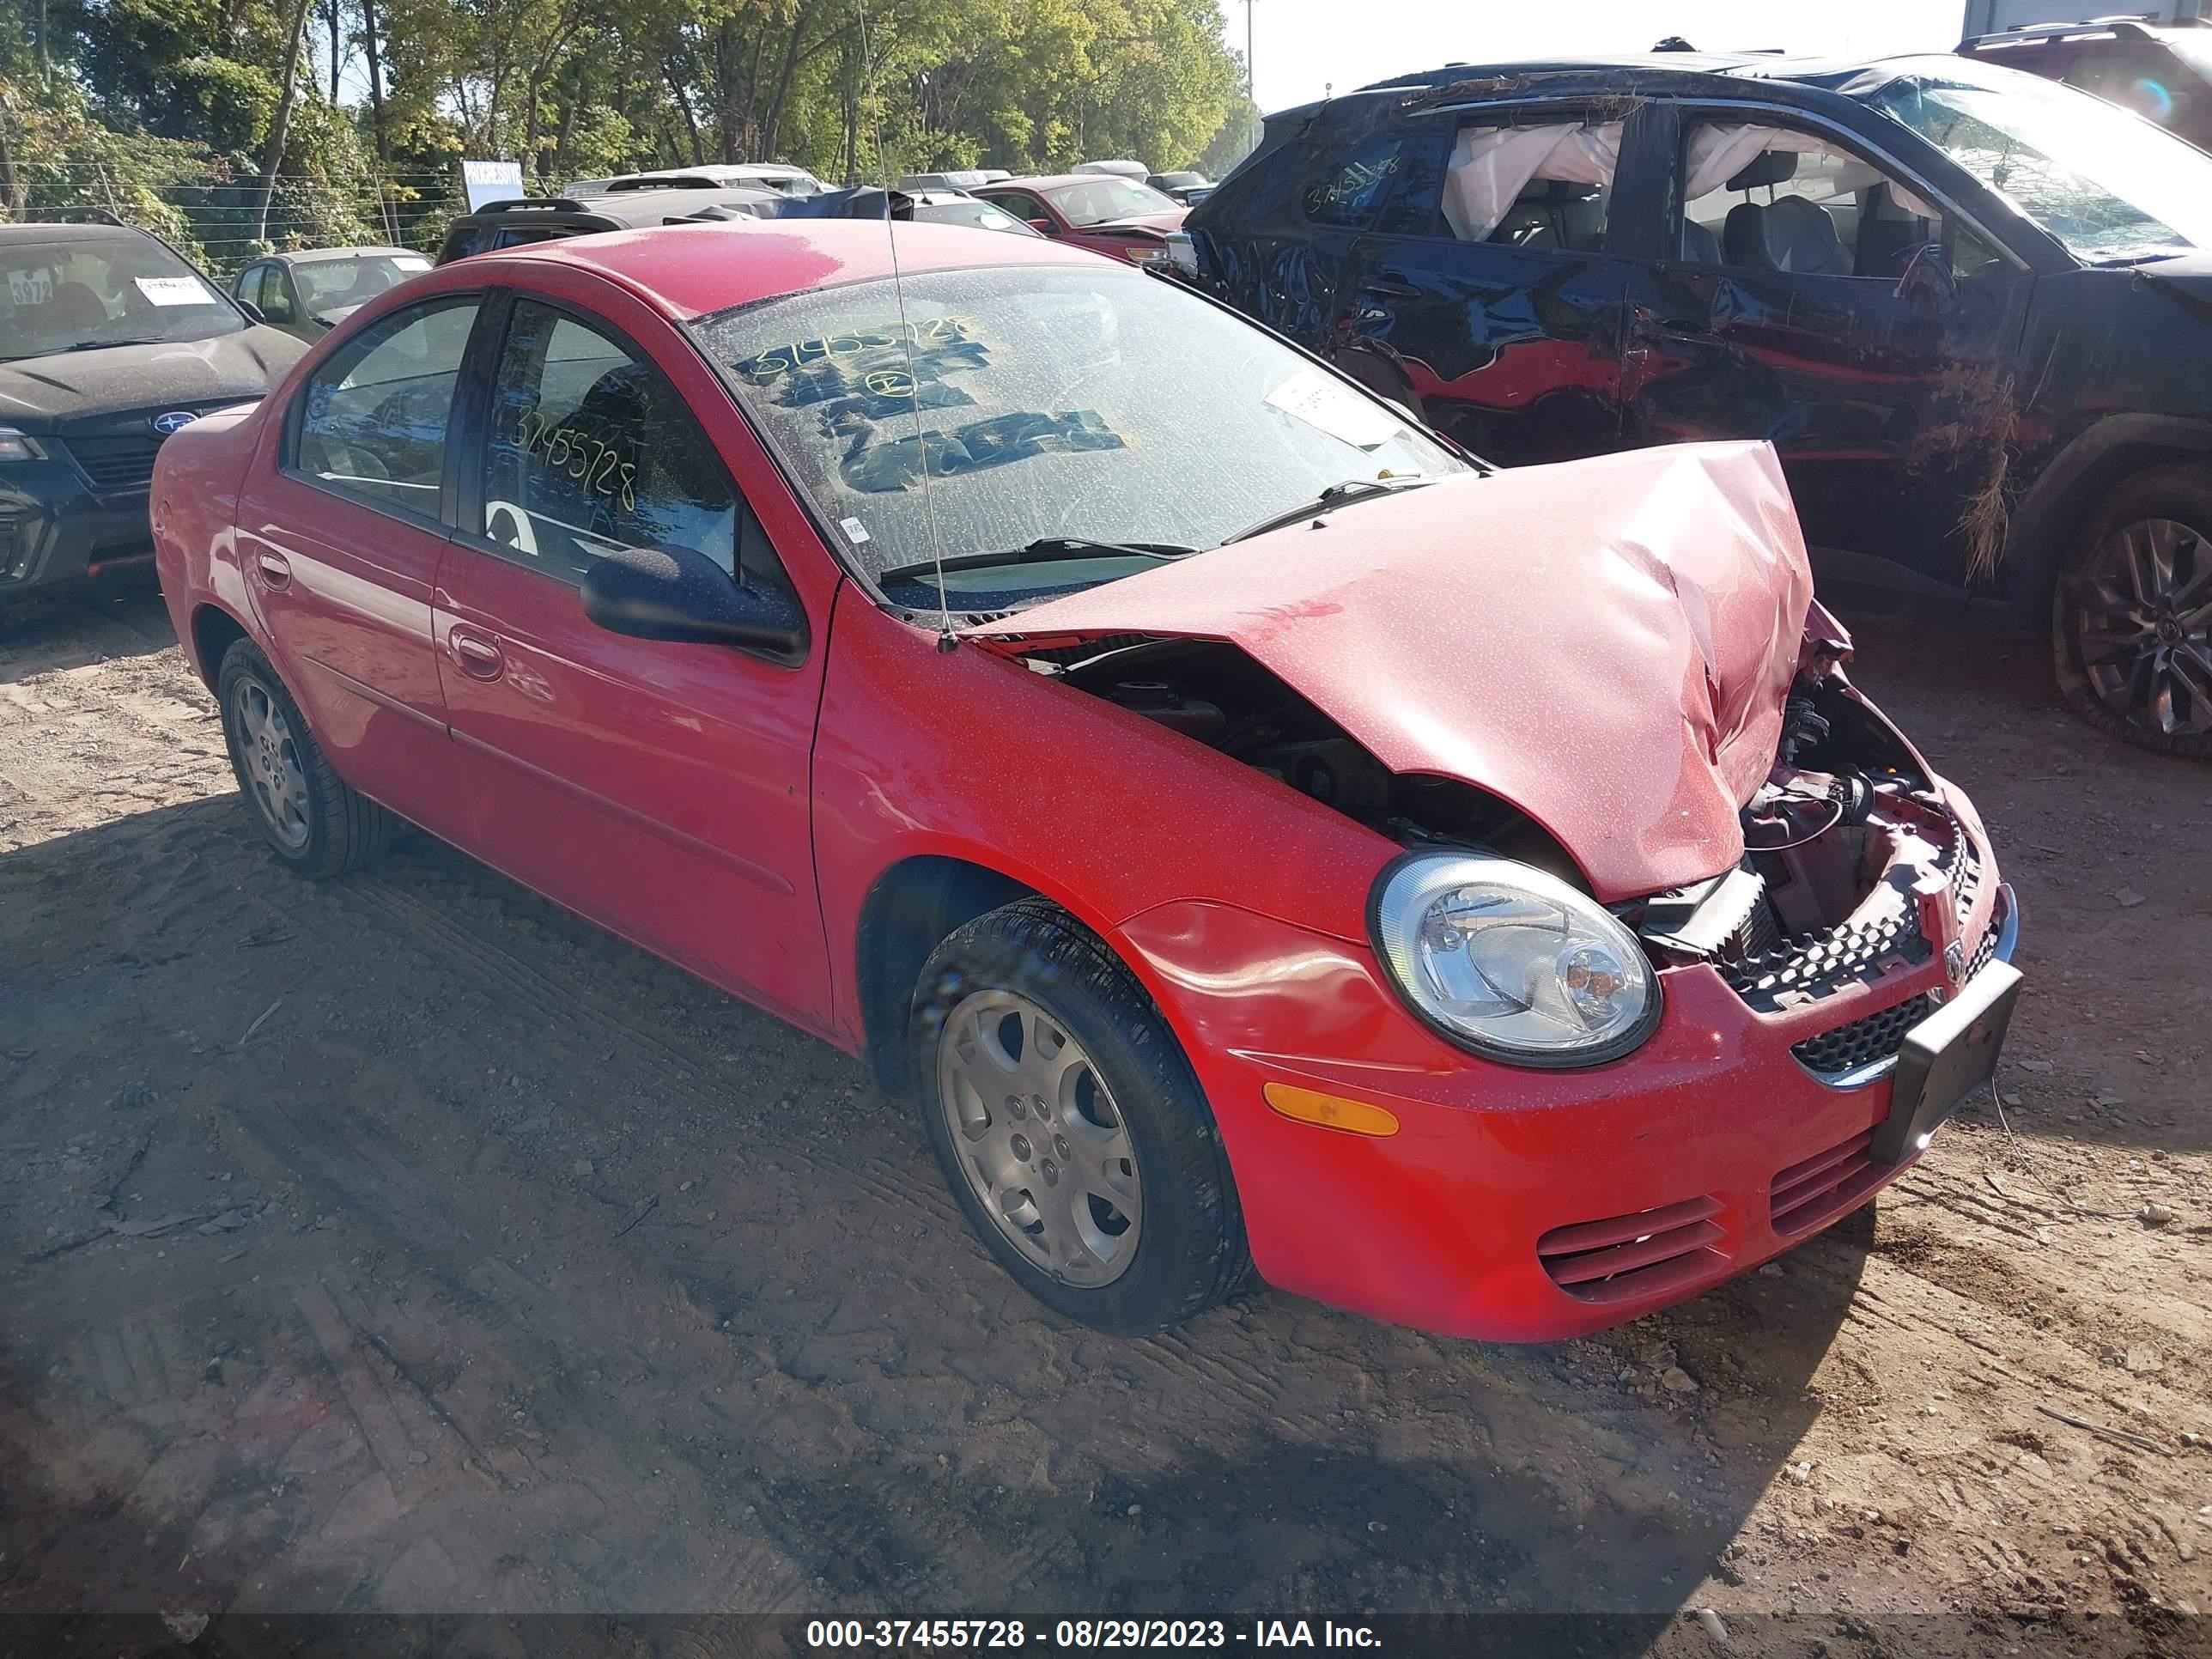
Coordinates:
<point>1845,841</point>
<point>1214,693</point>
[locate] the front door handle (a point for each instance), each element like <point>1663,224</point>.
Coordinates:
<point>275,571</point>
<point>477,655</point>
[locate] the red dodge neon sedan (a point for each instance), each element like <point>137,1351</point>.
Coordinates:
<point>1253,833</point>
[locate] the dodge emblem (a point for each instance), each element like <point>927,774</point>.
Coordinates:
<point>176,420</point>
<point>1954,961</point>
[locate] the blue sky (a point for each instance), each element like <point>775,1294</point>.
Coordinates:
<point>1302,46</point>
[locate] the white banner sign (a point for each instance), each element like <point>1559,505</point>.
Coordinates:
<point>491,181</point>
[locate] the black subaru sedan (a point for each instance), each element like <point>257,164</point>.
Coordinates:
<point>1972,309</point>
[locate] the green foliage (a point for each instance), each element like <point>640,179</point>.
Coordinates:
<point>176,98</point>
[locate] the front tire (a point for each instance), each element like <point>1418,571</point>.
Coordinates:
<point>310,818</point>
<point>2131,616</point>
<point>1069,1125</point>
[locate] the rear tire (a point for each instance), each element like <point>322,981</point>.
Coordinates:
<point>2131,615</point>
<point>310,818</point>
<point>1069,1125</point>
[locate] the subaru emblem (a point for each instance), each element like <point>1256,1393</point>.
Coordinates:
<point>1954,961</point>
<point>175,421</point>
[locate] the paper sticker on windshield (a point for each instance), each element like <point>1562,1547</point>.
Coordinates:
<point>855,532</point>
<point>172,290</point>
<point>30,288</point>
<point>1329,406</point>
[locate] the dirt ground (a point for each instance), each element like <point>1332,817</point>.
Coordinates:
<point>405,1244</point>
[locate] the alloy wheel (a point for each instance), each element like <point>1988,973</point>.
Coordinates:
<point>268,762</point>
<point>1043,1147</point>
<point>2142,626</point>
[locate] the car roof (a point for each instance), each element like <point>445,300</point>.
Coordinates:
<point>630,207</point>
<point>714,173</point>
<point>1758,65</point>
<point>309,256</point>
<point>1036,181</point>
<point>2086,31</point>
<point>63,230</point>
<point>689,271</point>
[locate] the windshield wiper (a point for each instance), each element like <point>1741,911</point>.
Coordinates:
<point>1337,494</point>
<point>102,346</point>
<point>1044,549</point>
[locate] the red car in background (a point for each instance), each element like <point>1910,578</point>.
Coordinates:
<point>1251,831</point>
<point>1102,211</point>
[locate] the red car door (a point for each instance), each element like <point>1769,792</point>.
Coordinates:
<point>341,541</point>
<point>659,788</point>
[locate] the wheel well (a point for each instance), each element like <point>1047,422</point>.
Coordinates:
<point>907,914</point>
<point>215,630</point>
<point>2056,529</point>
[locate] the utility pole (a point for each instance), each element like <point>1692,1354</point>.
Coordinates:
<point>1248,82</point>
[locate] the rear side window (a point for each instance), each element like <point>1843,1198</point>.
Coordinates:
<point>372,420</point>
<point>1349,194</point>
<point>591,449</point>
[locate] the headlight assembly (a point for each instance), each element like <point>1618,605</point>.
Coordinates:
<point>19,446</point>
<point>1510,962</point>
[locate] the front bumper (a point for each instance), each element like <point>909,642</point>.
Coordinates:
<point>55,526</point>
<point>1517,1205</point>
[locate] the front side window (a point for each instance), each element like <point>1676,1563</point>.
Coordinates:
<point>2114,189</point>
<point>1022,206</point>
<point>591,449</point>
<point>1053,403</point>
<point>372,419</point>
<point>80,293</point>
<point>328,285</point>
<point>1768,198</point>
<point>275,301</point>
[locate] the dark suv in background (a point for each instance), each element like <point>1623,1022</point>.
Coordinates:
<point>2163,72</point>
<point>110,341</point>
<point>1970,308</point>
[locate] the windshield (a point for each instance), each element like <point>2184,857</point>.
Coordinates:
<point>1099,200</point>
<point>329,284</point>
<point>74,293</point>
<point>1058,402</point>
<point>2106,184</point>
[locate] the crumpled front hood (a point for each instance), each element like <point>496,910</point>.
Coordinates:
<point>42,392</point>
<point>1139,224</point>
<point>1606,644</point>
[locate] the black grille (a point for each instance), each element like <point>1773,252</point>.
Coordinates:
<point>1784,972</point>
<point>1792,972</point>
<point>116,461</point>
<point>11,546</point>
<point>1880,1035</point>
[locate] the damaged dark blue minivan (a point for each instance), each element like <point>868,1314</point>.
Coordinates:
<point>1972,309</point>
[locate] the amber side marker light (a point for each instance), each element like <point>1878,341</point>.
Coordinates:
<point>1330,1111</point>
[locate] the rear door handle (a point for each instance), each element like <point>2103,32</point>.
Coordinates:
<point>477,655</point>
<point>274,570</point>
<point>1392,285</point>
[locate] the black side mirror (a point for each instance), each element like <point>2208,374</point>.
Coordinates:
<point>674,593</point>
<point>1926,283</point>
<point>252,311</point>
